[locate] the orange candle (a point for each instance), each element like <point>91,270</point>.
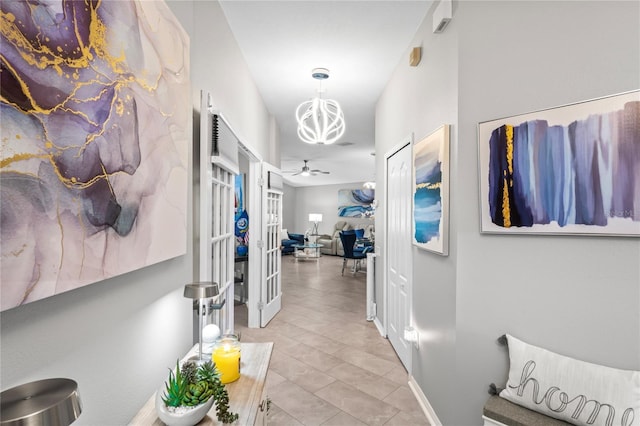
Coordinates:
<point>226,357</point>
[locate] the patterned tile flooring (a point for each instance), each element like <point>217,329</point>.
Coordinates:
<point>329,365</point>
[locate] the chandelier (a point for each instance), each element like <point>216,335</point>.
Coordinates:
<point>320,121</point>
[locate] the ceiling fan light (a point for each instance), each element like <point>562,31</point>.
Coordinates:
<point>305,173</point>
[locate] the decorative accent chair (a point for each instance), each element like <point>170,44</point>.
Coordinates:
<point>331,243</point>
<point>348,239</point>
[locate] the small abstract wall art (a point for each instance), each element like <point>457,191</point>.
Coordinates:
<point>356,202</point>
<point>431,192</point>
<point>573,170</point>
<point>96,115</point>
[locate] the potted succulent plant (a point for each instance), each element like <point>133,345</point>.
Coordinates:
<point>190,393</point>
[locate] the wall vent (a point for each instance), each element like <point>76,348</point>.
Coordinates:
<point>441,16</point>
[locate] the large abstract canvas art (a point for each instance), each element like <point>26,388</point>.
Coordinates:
<point>356,202</point>
<point>431,192</point>
<point>95,113</point>
<point>574,169</point>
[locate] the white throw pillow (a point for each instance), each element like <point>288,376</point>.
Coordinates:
<point>285,235</point>
<point>568,389</point>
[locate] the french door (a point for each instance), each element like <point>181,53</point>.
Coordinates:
<point>217,241</point>
<point>271,288</point>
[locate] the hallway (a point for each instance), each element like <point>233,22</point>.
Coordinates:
<point>329,365</point>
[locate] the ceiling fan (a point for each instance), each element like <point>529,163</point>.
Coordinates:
<point>306,171</point>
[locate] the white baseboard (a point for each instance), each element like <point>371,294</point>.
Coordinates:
<point>424,403</point>
<point>379,326</point>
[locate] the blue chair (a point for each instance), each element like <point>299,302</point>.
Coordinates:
<point>348,239</point>
<point>363,245</point>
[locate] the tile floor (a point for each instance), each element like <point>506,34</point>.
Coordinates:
<point>329,365</point>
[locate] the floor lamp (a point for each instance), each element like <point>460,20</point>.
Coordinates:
<point>316,218</point>
<point>199,292</point>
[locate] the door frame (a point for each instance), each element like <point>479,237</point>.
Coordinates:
<point>383,326</point>
<point>254,210</point>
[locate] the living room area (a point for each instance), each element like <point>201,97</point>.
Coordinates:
<point>322,200</point>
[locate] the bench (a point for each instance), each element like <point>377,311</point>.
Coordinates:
<point>500,412</point>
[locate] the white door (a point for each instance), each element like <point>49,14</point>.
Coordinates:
<point>398,202</point>
<point>271,286</point>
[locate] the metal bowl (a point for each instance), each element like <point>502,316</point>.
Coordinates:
<point>54,402</point>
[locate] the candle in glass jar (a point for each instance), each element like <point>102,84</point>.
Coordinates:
<point>226,357</point>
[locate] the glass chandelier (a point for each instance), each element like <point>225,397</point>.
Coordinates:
<point>320,121</point>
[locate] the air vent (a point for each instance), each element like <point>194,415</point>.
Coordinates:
<point>214,134</point>
<point>441,16</point>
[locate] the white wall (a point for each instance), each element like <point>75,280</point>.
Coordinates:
<point>118,338</point>
<point>575,295</point>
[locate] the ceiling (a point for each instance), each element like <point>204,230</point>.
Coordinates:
<point>360,42</point>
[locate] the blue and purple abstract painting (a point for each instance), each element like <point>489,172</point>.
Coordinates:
<point>356,202</point>
<point>430,193</point>
<point>582,175</point>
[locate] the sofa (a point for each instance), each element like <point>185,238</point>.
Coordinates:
<point>332,245</point>
<point>331,242</point>
<point>289,240</point>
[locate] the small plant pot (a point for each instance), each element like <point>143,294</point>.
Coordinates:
<point>185,416</point>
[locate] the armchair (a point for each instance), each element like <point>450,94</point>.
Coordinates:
<point>330,243</point>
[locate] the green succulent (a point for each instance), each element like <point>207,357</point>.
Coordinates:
<point>192,385</point>
<point>208,372</point>
<point>189,371</point>
<point>175,388</point>
<point>198,393</point>
<point>222,404</point>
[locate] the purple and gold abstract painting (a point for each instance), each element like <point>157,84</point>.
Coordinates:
<point>95,116</point>
<point>568,170</point>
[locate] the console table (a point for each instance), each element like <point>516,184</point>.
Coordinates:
<point>247,395</point>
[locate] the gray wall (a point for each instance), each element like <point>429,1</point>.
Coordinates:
<point>118,337</point>
<point>289,203</point>
<point>579,296</point>
<point>417,101</point>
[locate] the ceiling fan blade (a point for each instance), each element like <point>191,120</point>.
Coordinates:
<point>297,173</point>
<point>320,171</point>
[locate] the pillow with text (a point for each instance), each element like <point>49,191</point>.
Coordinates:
<point>571,390</point>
